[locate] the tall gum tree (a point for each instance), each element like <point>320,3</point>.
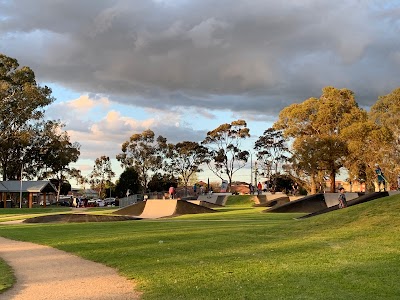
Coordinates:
<point>320,122</point>
<point>271,150</point>
<point>184,159</point>
<point>144,153</point>
<point>386,112</point>
<point>224,144</point>
<point>22,103</point>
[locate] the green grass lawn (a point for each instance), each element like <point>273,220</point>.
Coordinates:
<point>241,253</point>
<point>6,276</point>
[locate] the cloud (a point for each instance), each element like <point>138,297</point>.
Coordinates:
<point>184,53</point>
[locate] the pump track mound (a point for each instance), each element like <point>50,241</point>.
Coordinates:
<point>78,218</point>
<point>154,209</point>
<point>361,199</point>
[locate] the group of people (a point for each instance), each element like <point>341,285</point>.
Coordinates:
<point>259,188</point>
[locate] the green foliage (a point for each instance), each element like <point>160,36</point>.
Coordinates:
<point>184,159</point>
<point>144,153</point>
<point>162,182</point>
<point>385,113</point>
<point>128,180</point>
<point>316,126</point>
<point>102,172</point>
<point>26,139</point>
<point>224,145</point>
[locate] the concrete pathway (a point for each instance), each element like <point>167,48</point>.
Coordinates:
<point>46,273</point>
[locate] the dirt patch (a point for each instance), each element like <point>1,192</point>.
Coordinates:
<point>78,218</point>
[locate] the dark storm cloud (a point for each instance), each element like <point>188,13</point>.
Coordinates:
<point>250,56</point>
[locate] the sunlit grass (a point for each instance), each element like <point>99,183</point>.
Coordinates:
<point>7,278</point>
<point>242,253</point>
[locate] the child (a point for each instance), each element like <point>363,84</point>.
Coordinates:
<point>342,198</point>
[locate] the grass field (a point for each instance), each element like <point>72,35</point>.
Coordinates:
<point>241,253</point>
<point>6,276</point>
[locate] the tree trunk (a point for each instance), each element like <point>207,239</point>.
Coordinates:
<point>313,187</point>
<point>332,178</point>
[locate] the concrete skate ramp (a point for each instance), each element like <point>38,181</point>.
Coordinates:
<point>361,199</point>
<point>216,198</point>
<point>270,203</point>
<point>331,199</point>
<point>132,210</point>
<point>153,209</point>
<point>158,208</point>
<point>307,204</point>
<point>204,203</point>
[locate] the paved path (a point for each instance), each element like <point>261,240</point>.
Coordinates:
<point>46,273</point>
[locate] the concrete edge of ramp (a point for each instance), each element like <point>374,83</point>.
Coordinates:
<point>216,198</point>
<point>307,204</point>
<point>364,198</point>
<point>204,203</point>
<point>271,203</point>
<point>331,199</point>
<point>132,210</point>
<point>156,208</point>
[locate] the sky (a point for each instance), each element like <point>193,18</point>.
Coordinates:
<point>183,67</point>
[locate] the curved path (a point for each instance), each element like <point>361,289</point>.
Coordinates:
<point>44,273</point>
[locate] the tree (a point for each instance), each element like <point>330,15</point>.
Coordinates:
<point>56,152</point>
<point>162,182</point>
<point>102,172</point>
<point>21,110</point>
<point>184,159</point>
<point>368,144</point>
<point>271,151</point>
<point>128,183</point>
<point>224,153</point>
<point>320,123</point>
<point>385,112</point>
<point>144,154</point>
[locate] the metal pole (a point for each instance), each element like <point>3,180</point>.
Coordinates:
<point>251,168</point>
<point>20,188</point>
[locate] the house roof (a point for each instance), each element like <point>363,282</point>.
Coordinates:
<point>14,186</point>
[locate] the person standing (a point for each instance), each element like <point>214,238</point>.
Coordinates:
<point>342,198</point>
<point>195,189</point>
<point>251,189</point>
<point>171,192</point>
<point>259,188</point>
<point>380,178</point>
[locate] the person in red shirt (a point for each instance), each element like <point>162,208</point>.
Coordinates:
<point>259,188</point>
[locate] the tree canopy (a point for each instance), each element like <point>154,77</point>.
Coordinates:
<point>225,155</point>
<point>144,153</point>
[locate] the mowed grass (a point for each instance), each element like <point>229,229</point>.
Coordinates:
<point>11,214</point>
<point>6,276</point>
<point>241,253</point>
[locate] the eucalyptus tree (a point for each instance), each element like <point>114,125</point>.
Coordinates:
<point>184,159</point>
<point>319,123</point>
<point>22,103</point>
<point>144,153</point>
<point>272,150</point>
<point>55,153</point>
<point>224,143</point>
<point>102,172</point>
<point>386,112</point>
